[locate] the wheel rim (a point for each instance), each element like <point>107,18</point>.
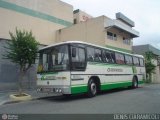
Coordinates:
<point>93,88</point>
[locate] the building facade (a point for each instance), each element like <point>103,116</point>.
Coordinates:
<point>80,16</point>
<point>114,33</point>
<point>53,21</point>
<point>43,18</point>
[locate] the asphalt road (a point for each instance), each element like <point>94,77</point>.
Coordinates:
<point>145,99</point>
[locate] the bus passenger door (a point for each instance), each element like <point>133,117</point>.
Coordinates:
<point>78,66</point>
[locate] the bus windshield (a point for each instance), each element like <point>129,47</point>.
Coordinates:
<point>54,59</point>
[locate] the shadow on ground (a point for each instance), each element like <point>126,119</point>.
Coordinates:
<point>82,96</point>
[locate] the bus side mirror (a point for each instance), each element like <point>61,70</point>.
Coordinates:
<point>73,52</point>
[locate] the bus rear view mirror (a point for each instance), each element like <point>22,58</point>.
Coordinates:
<point>73,52</point>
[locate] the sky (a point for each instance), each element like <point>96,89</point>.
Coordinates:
<point>145,14</point>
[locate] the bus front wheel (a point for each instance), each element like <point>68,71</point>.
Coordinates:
<point>92,88</point>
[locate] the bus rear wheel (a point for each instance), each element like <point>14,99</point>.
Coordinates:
<point>92,88</point>
<point>134,83</point>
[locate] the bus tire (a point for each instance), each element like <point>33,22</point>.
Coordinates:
<point>67,95</point>
<point>135,83</point>
<point>92,88</point>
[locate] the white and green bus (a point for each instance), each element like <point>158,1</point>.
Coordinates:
<point>78,67</point>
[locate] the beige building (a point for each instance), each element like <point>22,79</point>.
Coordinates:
<point>114,33</point>
<point>53,21</point>
<point>80,16</point>
<point>43,17</point>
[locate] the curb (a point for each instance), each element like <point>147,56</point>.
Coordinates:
<point>32,99</point>
<point>22,98</point>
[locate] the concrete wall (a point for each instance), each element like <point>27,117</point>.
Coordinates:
<point>54,8</point>
<point>91,31</point>
<point>81,16</point>
<point>9,72</point>
<point>42,17</point>
<point>156,75</point>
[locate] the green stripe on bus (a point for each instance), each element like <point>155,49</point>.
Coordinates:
<point>115,85</point>
<point>83,88</point>
<point>108,64</point>
<point>33,13</point>
<point>48,73</point>
<point>141,82</point>
<point>79,89</point>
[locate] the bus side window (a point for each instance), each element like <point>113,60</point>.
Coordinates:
<point>128,60</point>
<point>78,58</point>
<point>119,58</point>
<point>98,55</point>
<point>108,57</point>
<point>104,57</point>
<point>113,57</point>
<point>90,54</point>
<point>45,61</point>
<point>136,61</point>
<point>141,62</point>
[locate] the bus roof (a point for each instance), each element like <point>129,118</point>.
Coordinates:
<point>90,44</point>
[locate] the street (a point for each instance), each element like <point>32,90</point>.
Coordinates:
<point>145,99</point>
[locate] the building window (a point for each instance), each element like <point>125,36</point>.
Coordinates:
<point>75,21</point>
<point>111,36</point>
<point>141,62</point>
<point>114,37</point>
<point>126,41</point>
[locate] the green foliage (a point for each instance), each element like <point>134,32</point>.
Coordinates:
<point>150,67</point>
<point>22,49</point>
<point>149,56</point>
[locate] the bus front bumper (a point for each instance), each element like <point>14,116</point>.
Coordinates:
<point>54,89</point>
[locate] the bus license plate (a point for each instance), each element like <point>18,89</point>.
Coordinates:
<point>47,89</point>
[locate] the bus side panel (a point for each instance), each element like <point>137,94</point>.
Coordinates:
<point>141,74</point>
<point>110,75</point>
<point>79,81</point>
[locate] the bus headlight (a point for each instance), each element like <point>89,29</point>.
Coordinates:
<point>56,90</point>
<point>38,89</point>
<point>60,90</point>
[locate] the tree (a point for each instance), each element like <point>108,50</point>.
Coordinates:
<point>22,50</point>
<point>150,67</point>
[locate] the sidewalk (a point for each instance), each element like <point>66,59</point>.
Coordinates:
<point>5,99</point>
